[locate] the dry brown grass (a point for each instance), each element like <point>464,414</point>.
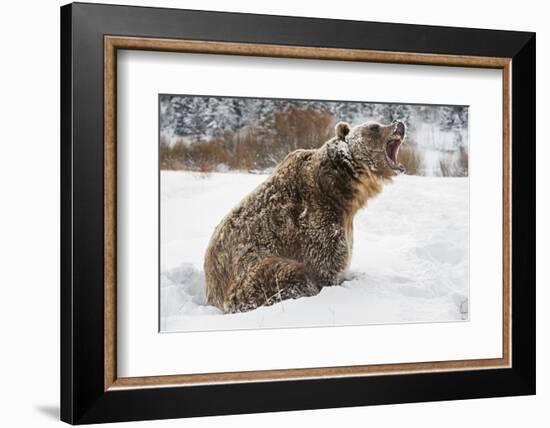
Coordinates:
<point>455,164</point>
<point>256,149</point>
<point>409,158</point>
<point>252,148</point>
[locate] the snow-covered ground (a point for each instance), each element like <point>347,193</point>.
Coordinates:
<point>410,256</point>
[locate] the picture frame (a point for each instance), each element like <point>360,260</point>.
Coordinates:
<point>91,390</point>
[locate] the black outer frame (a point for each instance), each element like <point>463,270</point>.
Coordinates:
<point>83,399</point>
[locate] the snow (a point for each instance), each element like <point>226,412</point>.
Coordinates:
<point>410,256</point>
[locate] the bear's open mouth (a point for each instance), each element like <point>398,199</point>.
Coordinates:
<point>392,150</point>
<point>392,146</point>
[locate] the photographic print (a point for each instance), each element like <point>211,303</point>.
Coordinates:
<point>311,213</point>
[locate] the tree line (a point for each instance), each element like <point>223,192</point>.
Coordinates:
<point>212,133</point>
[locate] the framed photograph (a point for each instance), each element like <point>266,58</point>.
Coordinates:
<point>265,213</point>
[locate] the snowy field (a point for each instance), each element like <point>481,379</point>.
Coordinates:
<point>410,256</point>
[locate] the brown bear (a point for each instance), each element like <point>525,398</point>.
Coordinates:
<point>293,235</point>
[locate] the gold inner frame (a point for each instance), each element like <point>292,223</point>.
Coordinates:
<point>113,43</point>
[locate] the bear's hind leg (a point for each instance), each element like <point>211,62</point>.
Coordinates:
<point>270,281</point>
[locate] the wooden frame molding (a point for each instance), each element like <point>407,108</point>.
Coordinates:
<point>113,43</point>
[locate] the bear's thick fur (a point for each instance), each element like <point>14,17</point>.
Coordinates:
<point>293,234</point>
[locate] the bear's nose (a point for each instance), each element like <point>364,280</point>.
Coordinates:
<point>399,128</point>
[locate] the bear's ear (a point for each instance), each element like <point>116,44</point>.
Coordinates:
<point>342,129</point>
